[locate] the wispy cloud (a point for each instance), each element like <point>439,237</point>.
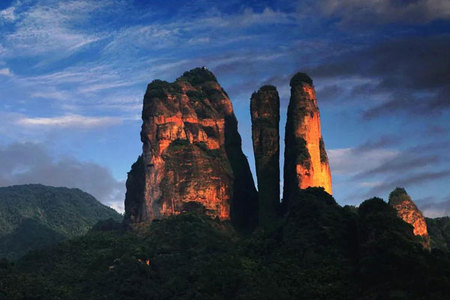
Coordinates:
<point>222,29</point>
<point>50,94</point>
<point>350,161</point>
<point>407,180</point>
<point>49,28</point>
<point>69,121</point>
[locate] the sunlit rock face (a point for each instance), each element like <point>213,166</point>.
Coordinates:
<point>191,154</point>
<point>265,114</point>
<point>305,158</point>
<point>408,211</point>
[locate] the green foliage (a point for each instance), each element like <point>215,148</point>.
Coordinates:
<point>160,89</point>
<point>303,156</point>
<point>392,262</point>
<point>196,95</point>
<point>107,225</point>
<point>179,144</point>
<point>398,195</point>
<point>34,216</point>
<point>211,153</point>
<point>439,231</point>
<point>314,250</point>
<point>194,207</point>
<point>198,76</point>
<point>323,152</point>
<point>268,88</point>
<point>300,78</point>
<point>157,89</point>
<point>201,104</point>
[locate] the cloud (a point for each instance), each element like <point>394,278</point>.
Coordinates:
<point>50,94</point>
<point>377,166</point>
<point>421,157</point>
<point>434,103</point>
<point>434,209</point>
<point>23,163</point>
<point>407,76</point>
<point>5,72</point>
<point>351,12</point>
<point>407,179</point>
<point>50,27</point>
<point>249,18</point>
<point>8,14</point>
<point>69,121</point>
<point>402,163</point>
<point>223,29</point>
<point>362,159</point>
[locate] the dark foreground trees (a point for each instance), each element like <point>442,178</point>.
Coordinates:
<point>314,250</point>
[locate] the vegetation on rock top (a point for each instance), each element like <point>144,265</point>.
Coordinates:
<point>198,76</point>
<point>300,78</point>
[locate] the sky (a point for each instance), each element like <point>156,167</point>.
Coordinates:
<point>73,75</point>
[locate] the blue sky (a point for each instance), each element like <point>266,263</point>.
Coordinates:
<point>73,75</point>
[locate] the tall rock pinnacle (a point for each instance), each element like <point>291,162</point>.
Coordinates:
<point>305,158</point>
<point>192,156</point>
<point>265,113</point>
<point>408,212</point>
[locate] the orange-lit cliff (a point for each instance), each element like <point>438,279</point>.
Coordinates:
<point>192,157</point>
<point>306,162</point>
<point>408,212</point>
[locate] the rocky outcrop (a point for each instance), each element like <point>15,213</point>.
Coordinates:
<point>305,158</point>
<point>408,212</point>
<point>265,114</point>
<point>192,157</point>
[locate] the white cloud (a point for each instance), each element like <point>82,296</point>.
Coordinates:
<point>370,183</point>
<point>69,121</point>
<point>8,14</point>
<point>350,161</point>
<point>104,86</point>
<point>58,95</point>
<point>5,72</point>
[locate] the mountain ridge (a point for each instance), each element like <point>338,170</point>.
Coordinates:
<point>57,213</point>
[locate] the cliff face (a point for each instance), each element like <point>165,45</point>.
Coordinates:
<point>408,211</point>
<point>265,114</point>
<point>192,157</point>
<point>305,158</point>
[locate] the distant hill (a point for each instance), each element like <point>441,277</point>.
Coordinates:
<point>34,216</point>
